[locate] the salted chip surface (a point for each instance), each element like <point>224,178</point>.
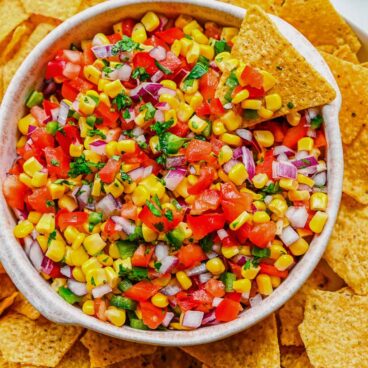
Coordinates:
<point>105,350</point>
<point>308,15</point>
<point>173,358</point>
<point>351,79</point>
<point>7,302</point>
<point>268,5</point>
<point>53,8</point>
<point>257,347</point>
<point>36,36</point>
<point>23,306</point>
<point>344,52</point>
<point>334,329</point>
<point>347,251</point>
<point>260,45</point>
<point>40,342</point>
<point>289,354</point>
<point>7,287</point>
<point>12,14</point>
<point>302,362</point>
<point>88,3</point>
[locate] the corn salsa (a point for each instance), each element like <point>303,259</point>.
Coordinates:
<point>139,195</point>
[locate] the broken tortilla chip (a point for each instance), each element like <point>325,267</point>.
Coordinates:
<point>365,65</point>
<point>300,87</point>
<point>347,251</point>
<point>76,357</point>
<point>54,8</point>
<point>308,16</point>
<point>334,329</point>
<point>289,354</point>
<point>12,14</point>
<point>257,347</point>
<point>7,302</point>
<point>344,52</point>
<point>7,287</point>
<point>88,3</point>
<point>302,362</point>
<point>40,342</point>
<point>105,350</point>
<point>23,306</point>
<point>351,80</point>
<point>266,5</point>
<point>173,358</point>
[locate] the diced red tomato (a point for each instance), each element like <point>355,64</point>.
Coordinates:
<point>40,200</point>
<point>170,35</point>
<point>215,287</point>
<point>142,291</point>
<point>142,255</point>
<point>207,200</point>
<point>276,129</point>
<point>216,144</point>
<point>41,139</point>
<point>204,300</point>
<point>293,134</point>
<point>228,310</point>
<point>71,71</point>
<point>156,41</point>
<point>252,77</point>
<point>186,301</point>
<point>255,92</point>
<point>55,69</point>
<point>155,223</point>
<point>180,129</point>
<point>233,296</point>
<point>152,316</point>
<point>74,56</point>
<point>191,255</point>
<point>110,228</point>
<point>114,38</point>
<point>72,218</point>
<point>320,140</point>
<point>69,135</point>
<point>88,55</point>
<point>14,192</point>
<point>81,85</point>
<point>109,117</point>
<point>143,59</point>
<point>109,171</point>
<point>212,30</point>
<point>198,150</point>
<point>266,166</point>
<point>68,92</point>
<point>262,234</point>
<point>127,26</point>
<point>58,163</point>
<point>48,106</point>
<point>204,224</point>
<point>100,309</point>
<point>204,181</point>
<point>172,62</point>
<point>208,84</point>
<point>216,107</point>
<point>203,109</point>
<point>242,234</point>
<point>129,211</point>
<point>272,271</point>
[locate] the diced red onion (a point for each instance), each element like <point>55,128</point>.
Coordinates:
<point>192,319</point>
<point>237,153</point>
<point>48,266</point>
<point>158,53</point>
<point>83,197</point>
<point>301,154</point>
<point>282,157</point>
<point>102,51</point>
<point>174,177</point>
<point>167,264</point>
<point>209,318</point>
<point>307,171</point>
<point>161,251</point>
<point>216,301</point>
<point>166,91</point>
<point>28,242</point>
<point>99,147</point>
<point>245,134</point>
<point>137,174</point>
<point>124,72</point>
<point>297,216</point>
<point>304,187</point>
<point>222,234</point>
<point>36,256</point>
<point>320,179</point>
<point>283,149</point>
<point>168,318</point>
<point>122,224</point>
<point>107,205</point>
<point>163,106</point>
<point>66,271</point>
<point>180,75</point>
<point>204,277</point>
<point>54,113</point>
<point>256,300</point>
<point>311,133</point>
<point>100,291</point>
<point>74,192</point>
<point>289,236</point>
<point>126,56</point>
<point>175,161</point>
<point>229,165</point>
<point>20,215</point>
<point>194,271</point>
<point>321,166</point>
<point>159,115</point>
<point>157,76</point>
<point>170,290</point>
<point>31,129</point>
<point>248,161</point>
<point>146,90</point>
<point>305,162</point>
<point>283,170</point>
<point>78,288</point>
<point>63,113</point>
<point>240,260</point>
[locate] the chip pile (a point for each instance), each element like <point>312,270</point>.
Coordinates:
<point>323,325</point>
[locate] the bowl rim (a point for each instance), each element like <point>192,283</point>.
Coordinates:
<point>54,308</point>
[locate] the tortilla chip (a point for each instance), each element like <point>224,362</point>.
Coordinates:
<point>35,342</point>
<point>173,358</point>
<point>7,302</point>
<point>344,52</point>
<point>334,330</point>
<point>319,22</point>
<point>256,347</point>
<point>302,362</point>
<point>291,314</point>
<point>77,357</point>
<point>365,65</point>
<point>2,269</point>
<point>7,287</point>
<point>351,79</point>
<point>289,354</point>
<point>12,14</point>
<point>105,350</point>
<point>37,35</point>
<point>23,306</point>
<point>54,8</point>
<point>18,36</point>
<point>266,5</point>
<point>88,3</point>
<point>347,251</point>
<point>1,97</point>
<point>261,45</point>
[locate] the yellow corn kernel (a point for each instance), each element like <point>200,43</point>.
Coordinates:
<point>238,174</point>
<point>140,195</point>
<point>92,74</point>
<point>90,264</point>
<point>185,111</point>
<point>126,263</point>
<point>176,47</point>
<point>242,286</point>
<point>56,190</point>
<point>78,274</point>
<point>101,85</point>
<point>70,234</point>
<point>182,20</point>
<point>116,188</point>
<point>302,179</point>
<point>264,113</point>
<point>23,229</point>
<point>184,280</point>
<point>114,251</point>
<point>192,179</point>
<point>185,229</point>
<point>39,179</point>
<point>182,188</point>
<point>231,120</point>
<point>196,124</point>
<point>229,252</point>
<point>190,199</point>
<point>298,195</point>
<point>21,142</point>
<point>275,281</point>
<point>259,205</point>
<point>148,234</point>
<point>78,241</point>
<point>178,326</point>
<point>86,105</point>
<point>167,83</point>
<point>245,250</point>
<point>32,166</point>
<point>207,51</point>
<point>126,146</point>
<point>264,284</point>
<point>260,180</point>
<point>75,150</point>
<point>240,96</point>
<point>305,144</point>
<point>34,216</point>
<point>105,260</point>
<point>231,139</point>
<point>111,148</point>
<point>225,154</point>
<point>299,247</point>
<point>129,188</point>
<point>171,100</point>
<point>228,33</point>
<point>68,203</point>
<point>318,222</point>
<point>185,45</point>
<point>88,307</point>
<point>112,89</point>
<point>139,33</point>
<point>105,98</point>
<point>215,266</point>
<point>46,224</point>
<point>227,65</point>
<point>196,100</point>
<point>56,250</point>
<point>264,138</point>
<point>315,152</point>
<point>251,104</point>
<point>160,300</point>
<point>153,185</point>
<point>277,250</point>
<point>293,118</point>
<point>218,127</point>
<point>189,27</point>
<point>240,220</point>
<point>92,156</point>
<point>100,39</point>
<point>261,217</point>
<point>269,80</point>
<point>199,37</point>
<point>222,56</point>
<point>25,122</point>
<point>284,262</point>
<point>318,201</point>
<point>25,179</point>
<point>116,316</point>
<point>255,196</point>
<point>57,283</point>
<point>96,187</point>
<point>193,53</point>
<point>273,102</point>
<point>251,272</point>
<point>43,242</point>
<point>222,175</point>
<point>94,244</point>
<point>96,276</point>
<point>78,256</point>
<point>150,21</point>
<point>288,184</point>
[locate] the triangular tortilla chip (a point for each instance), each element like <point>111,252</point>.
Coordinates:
<point>7,302</point>
<point>268,5</point>
<point>260,44</point>
<point>23,306</point>
<point>7,287</point>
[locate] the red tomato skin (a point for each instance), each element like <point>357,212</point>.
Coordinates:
<point>227,310</point>
<point>208,84</point>
<point>142,291</point>
<point>170,35</point>
<point>127,26</point>
<point>72,218</point>
<point>14,192</point>
<point>252,77</point>
<point>143,59</point>
<point>272,271</point>
<point>38,200</point>
<point>41,139</point>
<point>191,255</point>
<point>204,224</point>
<point>109,171</point>
<point>152,316</point>
<point>58,163</point>
<point>142,256</point>
<point>205,180</point>
<point>293,134</point>
<point>55,69</point>
<point>216,288</point>
<point>207,200</point>
<point>198,150</point>
<point>262,234</point>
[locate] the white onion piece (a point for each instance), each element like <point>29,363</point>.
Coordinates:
<point>267,199</point>
<point>283,149</point>
<point>147,171</point>
<point>158,53</point>
<point>124,72</point>
<point>282,157</point>
<point>167,264</point>
<point>192,319</point>
<point>123,224</point>
<point>102,51</point>
<point>107,205</point>
<point>245,295</point>
<point>320,179</point>
<point>204,277</point>
<point>161,251</point>
<point>28,242</point>
<point>311,133</point>
<point>137,174</point>
<point>137,131</point>
<point>36,255</point>
<point>54,113</point>
<point>321,166</point>
<point>174,177</point>
<point>256,300</point>
<point>211,255</point>
<point>63,113</point>
<point>166,91</point>
<point>229,165</point>
<point>197,270</point>
<point>283,170</point>
<point>245,134</point>
<point>216,301</point>
<point>228,106</point>
<point>222,234</point>
<point>289,236</point>
<point>157,76</point>
<point>66,271</point>
<point>100,291</point>
<point>168,318</point>
<point>297,216</point>
<point>78,288</point>
<point>83,195</point>
<point>170,290</point>
<point>301,154</point>
<point>140,139</point>
<point>159,115</point>
<point>279,227</point>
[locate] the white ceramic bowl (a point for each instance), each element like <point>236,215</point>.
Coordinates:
<point>29,76</point>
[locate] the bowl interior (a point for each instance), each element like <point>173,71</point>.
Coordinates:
<point>28,77</point>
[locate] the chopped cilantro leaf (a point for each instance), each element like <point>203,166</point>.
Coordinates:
<point>134,274</point>
<point>206,243</point>
<point>126,44</point>
<point>316,122</point>
<point>126,114</point>
<point>290,105</point>
<point>149,111</point>
<point>250,114</point>
<point>55,162</point>
<point>261,252</point>
<point>93,132</point>
<point>169,215</point>
<point>157,201</point>
<point>141,74</point>
<point>81,166</point>
<point>155,211</point>
<point>157,265</point>
<point>162,68</point>
<point>272,188</point>
<point>52,236</point>
<point>200,69</point>
<point>122,101</point>
<point>221,46</point>
<point>161,127</point>
<point>125,177</point>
